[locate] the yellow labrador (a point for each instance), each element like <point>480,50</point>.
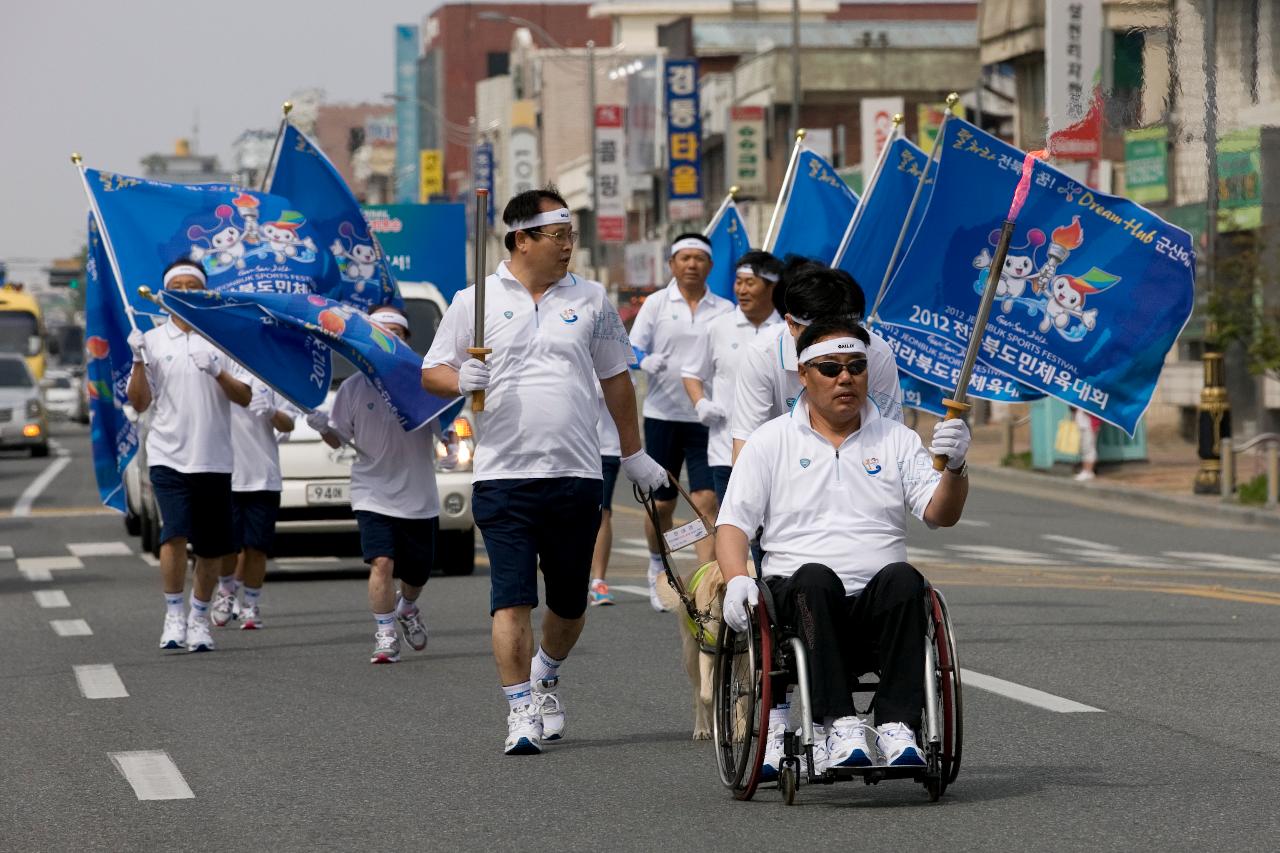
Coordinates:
<point>706,587</point>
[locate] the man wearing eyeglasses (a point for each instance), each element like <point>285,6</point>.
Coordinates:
<point>831,483</point>
<point>668,329</point>
<point>537,483</point>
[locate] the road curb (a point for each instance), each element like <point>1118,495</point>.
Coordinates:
<point>994,476</point>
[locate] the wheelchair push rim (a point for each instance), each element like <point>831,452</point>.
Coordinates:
<point>740,717</point>
<point>950,701</point>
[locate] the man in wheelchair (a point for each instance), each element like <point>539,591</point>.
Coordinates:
<point>830,484</point>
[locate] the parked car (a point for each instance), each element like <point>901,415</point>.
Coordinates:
<point>63,397</point>
<point>22,415</point>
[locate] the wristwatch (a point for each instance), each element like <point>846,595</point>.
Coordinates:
<point>962,471</point>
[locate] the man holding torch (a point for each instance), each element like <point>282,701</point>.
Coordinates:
<point>537,484</point>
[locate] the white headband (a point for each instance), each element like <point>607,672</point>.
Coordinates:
<point>833,346</point>
<point>389,316</point>
<point>767,276</point>
<point>559,216</point>
<point>800,321</point>
<point>690,243</point>
<point>184,269</point>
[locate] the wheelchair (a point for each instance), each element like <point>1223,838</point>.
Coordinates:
<point>746,665</point>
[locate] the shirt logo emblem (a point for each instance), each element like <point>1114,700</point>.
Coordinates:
<point>872,465</point>
<point>569,315</point>
<point>804,463</point>
<point>675,316</point>
<point>733,346</point>
<point>370,405</point>
<point>507,314</point>
<point>791,401</point>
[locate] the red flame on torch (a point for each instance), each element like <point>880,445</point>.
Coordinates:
<point>245,200</point>
<point>1069,236</point>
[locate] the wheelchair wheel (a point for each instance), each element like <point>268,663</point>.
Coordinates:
<point>949,689</point>
<point>787,781</point>
<point>740,718</point>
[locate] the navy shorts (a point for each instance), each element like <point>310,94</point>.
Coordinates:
<point>676,443</point>
<point>609,466</point>
<point>410,544</point>
<point>530,524</point>
<point>720,476</point>
<point>195,507</point>
<point>253,520</point>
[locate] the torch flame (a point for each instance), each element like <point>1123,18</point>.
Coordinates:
<point>245,200</point>
<point>1069,236</point>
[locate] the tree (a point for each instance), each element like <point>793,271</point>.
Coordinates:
<point>1243,307</point>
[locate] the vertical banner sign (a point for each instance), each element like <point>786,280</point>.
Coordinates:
<point>877,125</point>
<point>430,174</point>
<point>684,140</point>
<point>746,150</point>
<point>1146,176</point>
<point>1073,78</point>
<point>522,149</point>
<point>611,216</point>
<point>482,173</point>
<point>643,109</point>
<point>1240,180</point>
<point>406,113</point>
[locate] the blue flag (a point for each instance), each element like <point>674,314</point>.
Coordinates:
<point>935,360</point>
<point>243,240</point>
<point>817,212</point>
<point>1094,292</point>
<point>729,241</point>
<point>361,274</point>
<point>113,437</point>
<point>921,396</point>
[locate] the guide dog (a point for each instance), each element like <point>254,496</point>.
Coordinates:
<point>706,587</point>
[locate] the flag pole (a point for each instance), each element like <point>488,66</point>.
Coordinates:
<point>482,236</point>
<point>106,240</point>
<point>958,404</point>
<point>285,109</point>
<point>729,198</point>
<point>785,195</point>
<point>952,100</point>
<point>867,190</point>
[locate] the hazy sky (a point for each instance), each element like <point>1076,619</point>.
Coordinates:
<point>119,79</point>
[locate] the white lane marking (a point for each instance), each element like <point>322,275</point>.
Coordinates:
<point>644,552</point>
<point>1226,561</point>
<point>641,591</point>
<point>150,559</point>
<point>153,775</point>
<point>70,627</point>
<point>997,554</point>
<point>973,522</point>
<point>30,564</point>
<point>288,561</point>
<point>51,598</point>
<point>1118,558</point>
<point>925,553</point>
<point>6,552</point>
<point>1022,693</point>
<point>1086,544</point>
<point>37,575</point>
<point>99,549</point>
<point>100,681</point>
<point>28,497</point>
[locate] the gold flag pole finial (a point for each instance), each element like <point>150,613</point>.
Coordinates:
<point>76,158</point>
<point>898,119</point>
<point>952,100</point>
<point>734,190</point>
<point>287,107</point>
<point>801,134</point>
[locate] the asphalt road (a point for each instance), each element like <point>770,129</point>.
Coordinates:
<point>288,739</point>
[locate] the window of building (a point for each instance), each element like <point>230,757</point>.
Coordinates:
<point>1124,106</point>
<point>497,63</point>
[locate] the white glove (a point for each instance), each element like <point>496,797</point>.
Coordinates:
<point>207,362</point>
<point>260,404</point>
<point>951,439</point>
<point>653,363</point>
<point>450,460</point>
<point>136,343</point>
<point>318,421</point>
<point>710,412</point>
<point>643,470</point>
<point>739,594</point>
<point>473,376</point>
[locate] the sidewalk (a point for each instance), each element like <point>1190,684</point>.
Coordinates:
<point>1164,480</point>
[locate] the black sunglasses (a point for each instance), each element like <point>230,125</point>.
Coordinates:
<point>832,369</point>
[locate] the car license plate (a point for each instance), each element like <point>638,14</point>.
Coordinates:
<point>328,493</point>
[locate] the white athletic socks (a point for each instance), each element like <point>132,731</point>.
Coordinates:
<point>251,595</point>
<point>404,605</point>
<point>173,603</point>
<point>518,694</point>
<point>780,715</point>
<point>228,585</point>
<point>655,565</point>
<point>199,609</point>
<point>545,667</point>
<point>386,622</point>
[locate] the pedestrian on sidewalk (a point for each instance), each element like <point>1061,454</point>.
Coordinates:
<point>186,383</point>
<point>1089,426</point>
<point>394,497</point>
<point>537,483</point>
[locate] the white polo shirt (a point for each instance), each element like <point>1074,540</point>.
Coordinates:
<point>715,359</point>
<point>190,427</point>
<point>769,381</point>
<point>665,325</point>
<point>398,476</point>
<point>844,508</point>
<point>253,440</point>
<point>541,410</point>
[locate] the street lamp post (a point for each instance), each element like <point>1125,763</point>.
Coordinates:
<point>795,68</point>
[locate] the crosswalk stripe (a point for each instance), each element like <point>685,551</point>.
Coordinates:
<point>973,522</point>
<point>100,681</point>
<point>37,575</point>
<point>998,554</point>
<point>152,775</point>
<point>99,549</point>
<point>150,559</point>
<point>641,591</point>
<point>6,552</point>
<point>1022,693</point>
<point>30,564</point>
<point>1225,561</point>
<point>51,598</point>
<point>291,561</point>
<point>1087,544</point>
<point>70,627</point>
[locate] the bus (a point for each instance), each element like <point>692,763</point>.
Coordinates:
<point>21,329</point>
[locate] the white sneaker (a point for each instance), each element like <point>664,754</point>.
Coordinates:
<point>198,637</point>
<point>897,743</point>
<point>524,731</point>
<point>415,632</point>
<point>654,601</point>
<point>221,612</point>
<point>821,758</point>
<point>773,752</point>
<point>386,647</point>
<point>174,634</point>
<point>547,700</point>
<point>847,743</point>
<point>250,617</point>
<point>1085,476</point>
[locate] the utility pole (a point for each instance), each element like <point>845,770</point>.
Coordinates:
<point>591,158</point>
<point>795,69</point>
